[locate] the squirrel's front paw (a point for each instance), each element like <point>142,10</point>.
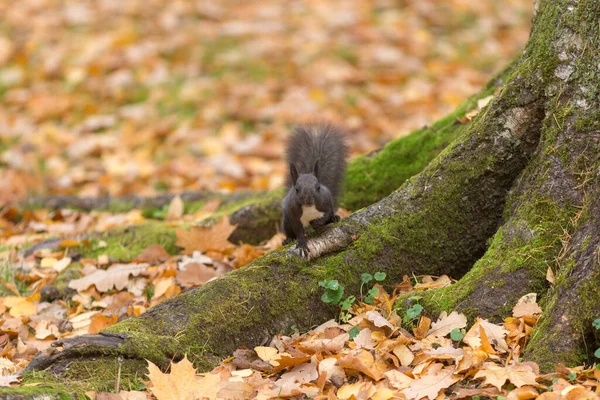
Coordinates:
<point>336,218</point>
<point>302,247</point>
<point>317,224</point>
<point>287,241</point>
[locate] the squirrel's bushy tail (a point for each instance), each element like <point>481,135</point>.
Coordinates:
<point>323,142</point>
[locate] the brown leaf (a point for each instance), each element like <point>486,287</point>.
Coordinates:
<point>195,274</point>
<point>204,239</point>
<point>153,254</point>
<point>423,327</point>
<point>363,361</point>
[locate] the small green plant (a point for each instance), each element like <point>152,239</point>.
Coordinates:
<point>596,324</point>
<point>413,312</point>
<point>572,376</point>
<point>457,334</point>
<point>353,332</point>
<point>333,291</point>
<point>8,283</point>
<point>149,293</point>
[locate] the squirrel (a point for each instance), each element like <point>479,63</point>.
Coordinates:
<point>316,154</point>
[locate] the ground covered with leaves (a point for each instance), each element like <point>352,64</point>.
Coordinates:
<point>142,97</point>
<point>148,97</point>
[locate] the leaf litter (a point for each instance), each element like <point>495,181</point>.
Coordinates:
<point>325,363</point>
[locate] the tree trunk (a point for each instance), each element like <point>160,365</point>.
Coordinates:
<point>515,193</point>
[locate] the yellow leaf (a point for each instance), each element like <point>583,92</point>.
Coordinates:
<point>22,309</point>
<point>267,354</point>
<point>404,354</point>
<point>48,262</point>
<point>180,384</point>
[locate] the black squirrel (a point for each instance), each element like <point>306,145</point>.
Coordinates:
<point>316,154</point>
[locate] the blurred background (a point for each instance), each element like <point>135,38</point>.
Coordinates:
<point>116,97</point>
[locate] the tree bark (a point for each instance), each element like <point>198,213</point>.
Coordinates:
<point>515,193</point>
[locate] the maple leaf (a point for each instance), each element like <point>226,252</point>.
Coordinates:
<point>430,385</point>
<point>180,384</point>
<point>446,323</point>
<point>206,238</point>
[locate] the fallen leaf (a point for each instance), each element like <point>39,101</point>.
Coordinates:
<point>101,321</point>
<point>363,361</point>
<point>527,306</point>
<point>62,264</point>
<point>404,354</point>
<point>364,340</point>
<point>357,390</point>
<point>267,354</point>
<point>117,276</point>
<point>204,239</point>
<point>430,385</point>
<point>496,375</point>
<point>245,254</point>
<point>179,384</point>
<point>153,254</point>
<point>46,330</point>
<point>175,210</point>
<point>378,320</point>
<point>446,323</point>
<point>550,275</point>
<point>195,275</point>
<point>23,308</point>
<point>6,381</point>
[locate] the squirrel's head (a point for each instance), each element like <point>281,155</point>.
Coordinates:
<point>306,185</point>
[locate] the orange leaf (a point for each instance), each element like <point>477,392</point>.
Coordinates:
<point>101,321</point>
<point>205,239</point>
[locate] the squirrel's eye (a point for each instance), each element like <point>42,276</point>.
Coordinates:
<point>297,190</point>
<point>318,187</point>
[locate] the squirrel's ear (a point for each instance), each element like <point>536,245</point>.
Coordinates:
<point>293,173</point>
<point>316,168</point>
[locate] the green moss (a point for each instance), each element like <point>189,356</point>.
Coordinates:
<point>125,243</point>
<point>44,391</point>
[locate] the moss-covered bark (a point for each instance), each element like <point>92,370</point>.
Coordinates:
<point>549,222</point>
<point>515,193</point>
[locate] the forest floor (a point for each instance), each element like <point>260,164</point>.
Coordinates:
<point>143,98</point>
